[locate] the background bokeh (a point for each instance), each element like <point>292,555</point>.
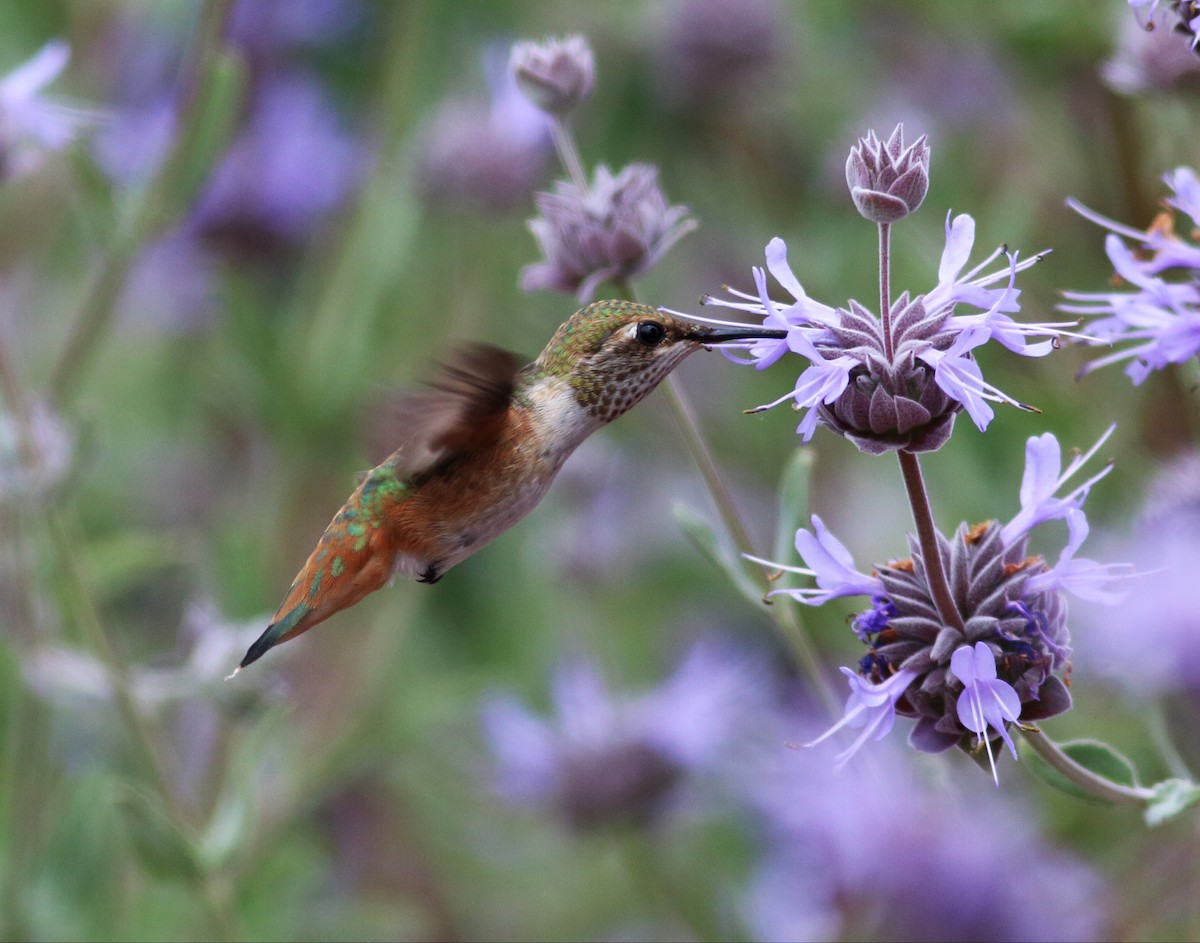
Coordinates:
<point>272,215</point>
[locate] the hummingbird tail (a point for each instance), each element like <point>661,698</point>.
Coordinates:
<point>278,632</point>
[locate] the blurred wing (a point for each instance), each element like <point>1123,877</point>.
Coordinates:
<point>462,407</point>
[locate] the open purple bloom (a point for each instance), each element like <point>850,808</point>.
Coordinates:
<point>870,706</point>
<point>897,383</point>
<point>1043,478</point>
<point>1084,578</point>
<point>986,701</point>
<point>1157,321</point>
<point>831,565</point>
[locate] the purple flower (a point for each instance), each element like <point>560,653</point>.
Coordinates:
<point>1043,478</point>
<point>895,855</point>
<point>32,122</point>
<point>618,227</point>
<point>899,384</point>
<point>1010,604</point>
<point>986,701</point>
<point>608,760</point>
<point>870,706</point>
<point>831,566</point>
<point>1084,578</point>
<point>484,155</point>
<point>1183,16</point>
<point>1160,316</point>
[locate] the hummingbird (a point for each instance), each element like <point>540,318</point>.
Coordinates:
<point>479,447</point>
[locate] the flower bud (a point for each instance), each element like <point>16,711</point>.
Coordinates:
<point>888,181</point>
<point>555,75</point>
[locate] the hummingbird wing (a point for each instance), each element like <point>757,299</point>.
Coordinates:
<point>461,407</point>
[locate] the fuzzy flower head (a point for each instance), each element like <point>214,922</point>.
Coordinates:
<point>556,75</point>
<point>618,227</point>
<point>1005,665</point>
<point>887,180</point>
<point>1155,321</point>
<point>607,760</point>
<point>897,382</point>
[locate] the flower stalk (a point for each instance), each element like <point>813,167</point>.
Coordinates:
<point>1084,778</point>
<point>931,556</point>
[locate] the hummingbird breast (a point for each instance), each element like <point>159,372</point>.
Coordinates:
<point>458,506</point>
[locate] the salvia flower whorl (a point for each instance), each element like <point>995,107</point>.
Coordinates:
<point>1002,656</point>
<point>897,383</point>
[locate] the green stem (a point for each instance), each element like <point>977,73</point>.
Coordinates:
<point>568,153</point>
<point>96,313</point>
<point>1082,777</point>
<point>931,555</point>
<point>213,900</point>
<point>714,481</point>
<point>661,893</point>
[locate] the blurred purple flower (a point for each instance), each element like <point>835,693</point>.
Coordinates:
<point>485,156</point>
<point>1150,60</point>
<point>556,75</point>
<point>608,760</point>
<point>291,164</point>
<point>708,51</point>
<point>1180,16</point>
<point>270,29</point>
<point>1160,608</point>
<point>891,854</point>
<point>31,123</point>
<point>1161,317</point>
<point>30,470</point>
<point>617,227</point>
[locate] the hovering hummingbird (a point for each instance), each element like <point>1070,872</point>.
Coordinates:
<point>479,448</point>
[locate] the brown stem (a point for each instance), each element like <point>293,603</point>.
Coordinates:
<point>927,536</point>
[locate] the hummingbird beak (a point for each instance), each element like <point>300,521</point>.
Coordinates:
<point>720,335</point>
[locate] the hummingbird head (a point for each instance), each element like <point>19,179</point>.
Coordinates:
<point>614,353</point>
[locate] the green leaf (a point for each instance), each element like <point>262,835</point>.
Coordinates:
<point>701,533</point>
<point>1171,797</point>
<point>793,503</point>
<point>1094,756</point>
<point>163,849</point>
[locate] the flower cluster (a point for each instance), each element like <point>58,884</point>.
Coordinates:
<point>1159,315</point>
<point>615,226</point>
<point>896,381</point>
<point>965,683</point>
<point>609,760</point>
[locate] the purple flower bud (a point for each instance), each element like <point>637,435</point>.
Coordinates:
<point>888,181</point>
<point>555,75</point>
<point>618,228</point>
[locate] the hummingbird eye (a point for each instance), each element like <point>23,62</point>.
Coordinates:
<point>651,333</point>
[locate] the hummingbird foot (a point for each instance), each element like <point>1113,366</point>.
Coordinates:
<point>431,574</point>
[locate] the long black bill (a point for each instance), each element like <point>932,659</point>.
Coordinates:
<point>719,335</point>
